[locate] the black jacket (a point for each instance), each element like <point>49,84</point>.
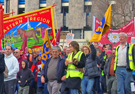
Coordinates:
<point>91,69</point>
<point>2,69</point>
<point>25,74</point>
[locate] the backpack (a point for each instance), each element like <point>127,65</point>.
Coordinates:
<point>6,72</point>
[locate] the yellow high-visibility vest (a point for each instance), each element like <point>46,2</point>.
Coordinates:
<point>130,57</point>
<point>71,70</point>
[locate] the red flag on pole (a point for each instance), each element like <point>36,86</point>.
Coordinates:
<point>1,22</point>
<point>58,37</point>
<point>25,48</point>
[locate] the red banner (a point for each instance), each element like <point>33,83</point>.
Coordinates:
<point>32,24</point>
<point>112,36</point>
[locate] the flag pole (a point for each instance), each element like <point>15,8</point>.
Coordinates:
<point>55,18</point>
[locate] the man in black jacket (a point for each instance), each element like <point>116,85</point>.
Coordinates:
<point>2,69</point>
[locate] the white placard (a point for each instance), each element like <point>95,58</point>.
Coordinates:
<point>69,38</point>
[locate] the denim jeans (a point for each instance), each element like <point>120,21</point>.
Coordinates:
<point>98,86</point>
<point>73,91</point>
<point>123,80</point>
<point>87,85</point>
<point>45,89</point>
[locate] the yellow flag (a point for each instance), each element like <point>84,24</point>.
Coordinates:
<point>46,49</point>
<point>103,27</point>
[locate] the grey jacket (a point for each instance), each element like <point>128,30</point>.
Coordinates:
<point>107,66</point>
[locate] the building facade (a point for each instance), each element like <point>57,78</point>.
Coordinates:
<point>74,15</point>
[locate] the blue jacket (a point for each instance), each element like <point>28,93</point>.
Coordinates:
<point>60,69</point>
<point>91,69</point>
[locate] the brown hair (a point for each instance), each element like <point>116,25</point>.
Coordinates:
<point>75,45</point>
<point>86,46</point>
<point>98,50</point>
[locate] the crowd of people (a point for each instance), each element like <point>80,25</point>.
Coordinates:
<point>88,70</point>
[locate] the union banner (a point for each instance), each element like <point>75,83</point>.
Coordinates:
<point>31,24</point>
<point>112,35</point>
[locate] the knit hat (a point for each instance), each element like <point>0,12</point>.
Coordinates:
<point>109,51</point>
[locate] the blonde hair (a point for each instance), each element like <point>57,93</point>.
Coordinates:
<point>86,46</point>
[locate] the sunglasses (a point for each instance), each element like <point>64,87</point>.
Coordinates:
<point>15,52</point>
<point>113,53</point>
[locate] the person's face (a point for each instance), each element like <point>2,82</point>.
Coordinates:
<point>98,53</point>
<point>122,38</point>
<point>50,52</point>
<point>71,48</point>
<point>113,52</point>
<point>3,51</point>
<point>86,50</point>
<point>109,55</point>
<point>23,64</point>
<point>96,45</point>
<point>16,53</point>
<point>39,58</point>
<point>68,51</point>
<point>37,52</point>
<point>107,46</point>
<point>8,50</point>
<point>105,49</point>
<point>64,49</point>
<point>55,53</point>
<point>34,54</point>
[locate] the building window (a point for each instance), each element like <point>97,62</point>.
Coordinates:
<point>77,33</point>
<point>42,1</point>
<point>87,8</point>
<point>21,10</point>
<point>2,2</point>
<point>65,1</point>
<point>64,9</point>
<point>7,6</point>
<point>21,1</point>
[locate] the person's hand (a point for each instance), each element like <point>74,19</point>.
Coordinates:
<point>98,65</point>
<point>38,68</point>
<point>90,43</point>
<point>63,78</point>
<point>42,79</point>
<point>75,61</point>
<point>68,62</point>
<point>19,81</point>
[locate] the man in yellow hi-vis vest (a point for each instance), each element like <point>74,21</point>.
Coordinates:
<point>124,64</point>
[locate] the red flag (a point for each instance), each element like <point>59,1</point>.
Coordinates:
<point>58,37</point>
<point>0,45</point>
<point>1,22</point>
<point>25,48</point>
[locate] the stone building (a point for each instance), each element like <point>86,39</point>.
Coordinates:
<point>74,15</point>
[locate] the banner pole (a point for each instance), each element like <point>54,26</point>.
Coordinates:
<point>55,18</point>
<point>63,42</point>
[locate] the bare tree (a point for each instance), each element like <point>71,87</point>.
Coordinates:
<point>122,11</point>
